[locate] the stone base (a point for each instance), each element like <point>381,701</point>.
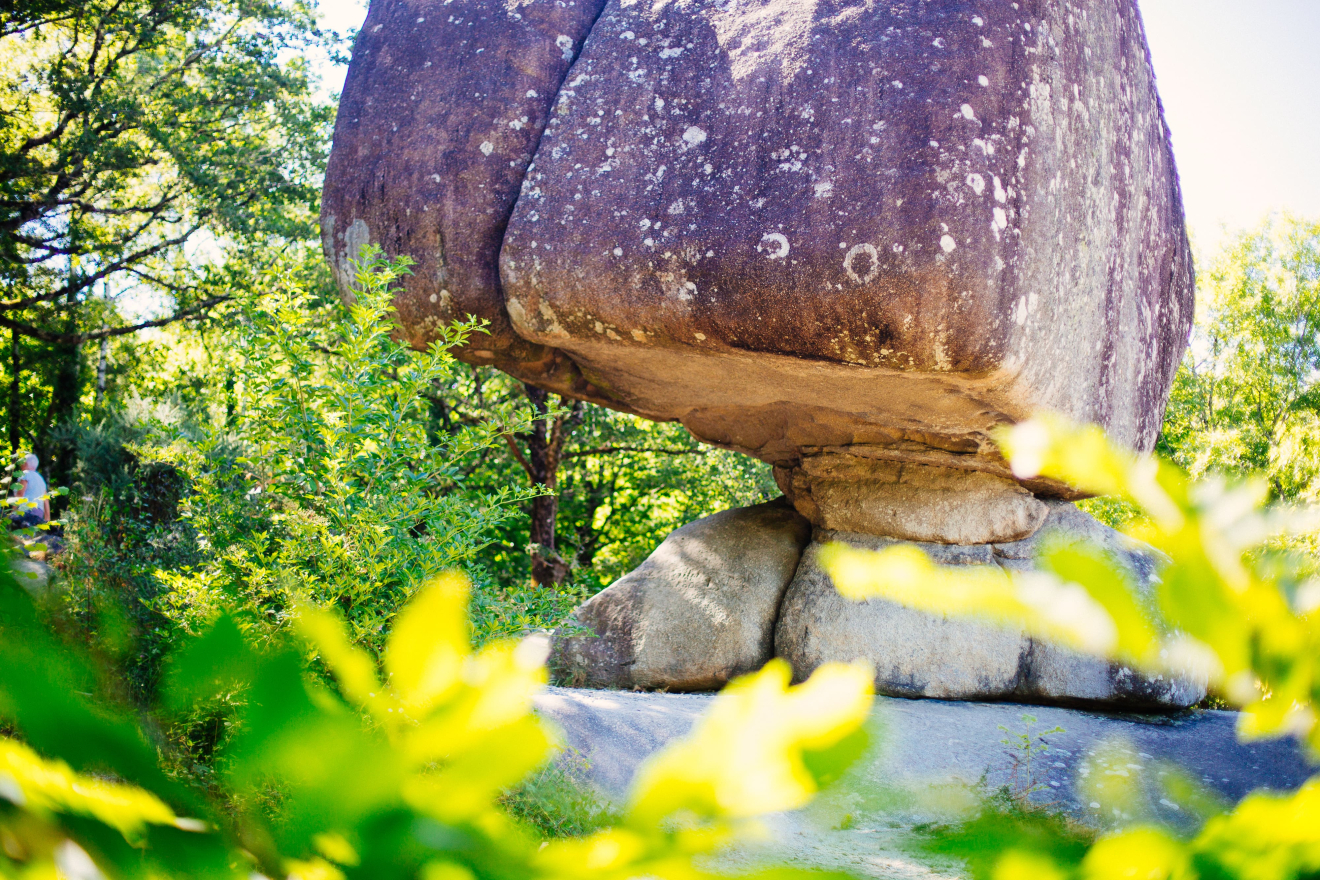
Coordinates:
<point>699,611</point>
<point>920,654</point>
<point>723,595</point>
<point>868,824</point>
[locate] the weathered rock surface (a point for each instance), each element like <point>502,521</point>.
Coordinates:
<point>849,238</point>
<point>700,610</point>
<point>921,746</point>
<point>920,654</point>
<point>792,227</point>
<point>441,113</point>
<point>914,502</point>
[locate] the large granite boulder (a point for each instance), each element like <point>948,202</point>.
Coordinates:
<point>846,228</point>
<point>917,653</point>
<point>699,611</point>
<point>722,595</point>
<point>849,238</point>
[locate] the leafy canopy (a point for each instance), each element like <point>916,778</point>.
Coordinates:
<point>128,127</point>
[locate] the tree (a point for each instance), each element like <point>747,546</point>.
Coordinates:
<point>141,143</point>
<point>1247,397</point>
<point>616,484</point>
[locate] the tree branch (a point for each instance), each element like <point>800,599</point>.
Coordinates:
<point>79,338</point>
<point>85,281</point>
<point>518,454</point>
<point>613,450</point>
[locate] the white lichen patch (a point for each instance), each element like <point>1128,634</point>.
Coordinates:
<point>863,257</point>
<point>486,148</point>
<point>774,245</point>
<point>976,182</point>
<point>694,136</point>
<point>947,242</point>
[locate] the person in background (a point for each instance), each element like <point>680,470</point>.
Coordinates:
<point>31,486</point>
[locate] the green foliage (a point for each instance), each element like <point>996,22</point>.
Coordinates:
<point>617,506</point>
<point>1247,397</point>
<point>557,801</point>
<point>145,149</point>
<point>1244,618</point>
<point>371,775</point>
<point>328,487</point>
<point>622,485</point>
<point>127,127</point>
<point>122,530</point>
<point>1027,746</point>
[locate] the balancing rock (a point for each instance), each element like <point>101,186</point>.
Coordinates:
<point>835,228</point>
<point>849,238</point>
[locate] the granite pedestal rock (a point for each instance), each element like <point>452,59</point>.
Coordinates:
<point>699,611</point>
<point>850,239</point>
<point>921,654</point>
<point>723,595</point>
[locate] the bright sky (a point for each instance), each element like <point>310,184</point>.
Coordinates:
<point>1240,83</point>
<point>1241,88</point>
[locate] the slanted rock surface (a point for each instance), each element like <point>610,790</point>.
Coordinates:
<point>867,824</point>
<point>883,229</point>
<point>699,611</point>
<point>917,653</point>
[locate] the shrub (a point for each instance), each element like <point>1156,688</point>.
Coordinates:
<point>1246,618</point>
<point>364,775</point>
<point>326,486</point>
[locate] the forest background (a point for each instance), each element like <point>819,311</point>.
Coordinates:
<point>244,451</point>
<point>165,295</point>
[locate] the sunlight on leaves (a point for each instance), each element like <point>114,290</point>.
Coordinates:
<point>747,756</point>
<point>29,781</point>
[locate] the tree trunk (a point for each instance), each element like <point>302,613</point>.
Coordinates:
<point>545,449</point>
<point>65,395</point>
<point>101,365</point>
<point>15,393</point>
<point>548,567</point>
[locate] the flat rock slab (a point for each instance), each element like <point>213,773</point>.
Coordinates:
<point>924,747</point>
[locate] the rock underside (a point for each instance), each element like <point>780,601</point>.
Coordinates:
<point>723,595</point>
